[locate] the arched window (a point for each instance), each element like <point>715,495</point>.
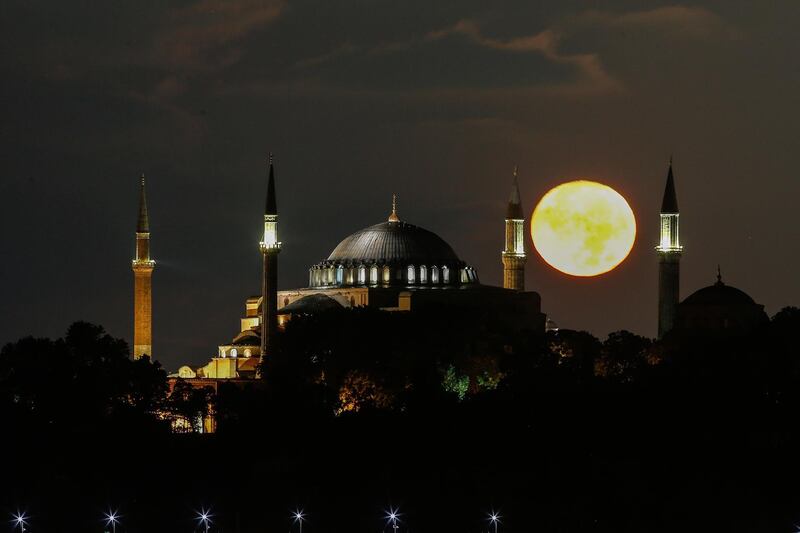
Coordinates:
<point>387,274</point>
<point>349,276</point>
<point>339,274</point>
<point>411,274</point>
<point>234,353</point>
<point>434,274</point>
<point>373,274</point>
<point>248,353</point>
<point>222,352</point>
<point>446,274</point>
<point>463,275</point>
<point>423,274</point>
<point>362,274</point>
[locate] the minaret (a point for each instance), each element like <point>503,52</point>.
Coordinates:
<point>669,258</point>
<point>514,253</point>
<point>142,285</point>
<point>270,246</point>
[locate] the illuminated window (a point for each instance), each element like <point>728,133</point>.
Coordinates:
<point>248,353</point>
<point>373,274</point>
<point>387,274</point>
<point>234,353</point>
<point>339,274</point>
<point>434,274</point>
<point>411,274</point>
<point>423,274</point>
<point>446,274</point>
<point>362,275</point>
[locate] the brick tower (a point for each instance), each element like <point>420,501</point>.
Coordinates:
<point>142,284</point>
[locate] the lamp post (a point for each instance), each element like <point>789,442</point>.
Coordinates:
<point>392,517</point>
<point>20,520</point>
<point>204,517</point>
<point>494,518</point>
<point>111,519</point>
<point>298,518</point>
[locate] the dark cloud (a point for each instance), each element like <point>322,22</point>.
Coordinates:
<point>361,99</point>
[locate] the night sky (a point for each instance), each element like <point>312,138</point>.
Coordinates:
<point>435,101</point>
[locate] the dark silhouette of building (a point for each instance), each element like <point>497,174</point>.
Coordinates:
<point>719,309</point>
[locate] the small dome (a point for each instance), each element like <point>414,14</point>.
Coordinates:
<point>719,294</point>
<point>395,242</point>
<point>310,305</point>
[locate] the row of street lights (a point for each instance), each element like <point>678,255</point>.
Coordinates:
<point>20,519</point>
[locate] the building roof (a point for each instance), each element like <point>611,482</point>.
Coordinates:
<point>311,304</point>
<point>669,204</point>
<point>718,294</point>
<point>390,242</point>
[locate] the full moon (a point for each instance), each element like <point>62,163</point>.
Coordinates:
<point>583,228</point>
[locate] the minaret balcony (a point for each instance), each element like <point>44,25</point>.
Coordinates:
<point>143,263</point>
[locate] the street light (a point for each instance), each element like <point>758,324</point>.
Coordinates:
<point>204,517</point>
<point>392,517</point>
<point>20,520</point>
<point>298,518</point>
<point>494,518</point>
<point>111,520</point>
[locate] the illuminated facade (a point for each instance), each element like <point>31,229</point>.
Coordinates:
<point>669,258</point>
<point>513,255</point>
<point>143,267</point>
<point>390,266</point>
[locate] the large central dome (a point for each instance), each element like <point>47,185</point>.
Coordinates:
<point>392,253</point>
<point>393,242</point>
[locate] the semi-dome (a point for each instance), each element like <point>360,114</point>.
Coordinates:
<point>391,242</point>
<point>392,253</point>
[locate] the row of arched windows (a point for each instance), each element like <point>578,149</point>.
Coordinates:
<point>225,351</point>
<point>339,275</point>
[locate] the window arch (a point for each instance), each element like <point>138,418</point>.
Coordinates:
<point>339,274</point>
<point>423,274</point>
<point>411,274</point>
<point>248,353</point>
<point>362,274</point>
<point>234,353</point>
<point>434,274</point>
<point>373,274</point>
<point>446,274</point>
<point>387,274</point>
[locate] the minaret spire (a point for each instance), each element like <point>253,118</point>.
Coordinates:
<point>513,256</point>
<point>270,247</point>
<point>143,224</point>
<point>669,253</point>
<point>143,267</point>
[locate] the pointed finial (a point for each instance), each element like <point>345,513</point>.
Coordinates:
<point>719,275</point>
<point>143,224</point>
<point>393,217</point>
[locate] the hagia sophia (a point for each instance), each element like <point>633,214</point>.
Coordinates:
<point>395,266</point>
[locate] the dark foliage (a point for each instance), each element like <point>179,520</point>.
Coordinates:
<point>447,417</point>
